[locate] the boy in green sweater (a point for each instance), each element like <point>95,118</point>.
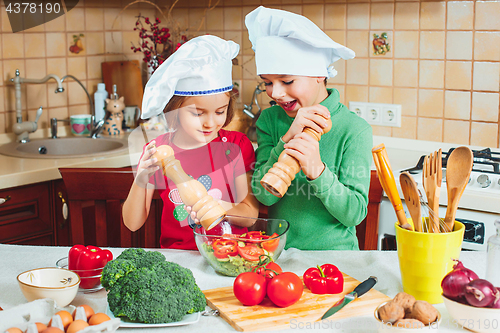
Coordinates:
<point>329,196</point>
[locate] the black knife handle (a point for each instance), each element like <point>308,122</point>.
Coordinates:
<point>365,286</point>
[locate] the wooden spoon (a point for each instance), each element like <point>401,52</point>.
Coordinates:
<point>458,169</point>
<point>412,199</point>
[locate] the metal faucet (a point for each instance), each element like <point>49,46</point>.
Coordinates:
<point>247,109</point>
<point>21,129</point>
<point>96,126</point>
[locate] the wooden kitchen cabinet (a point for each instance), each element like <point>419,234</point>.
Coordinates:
<point>34,214</point>
<point>95,197</point>
<point>25,216</point>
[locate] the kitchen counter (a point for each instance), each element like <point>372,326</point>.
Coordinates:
<point>15,259</point>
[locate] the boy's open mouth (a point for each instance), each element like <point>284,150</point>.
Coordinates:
<point>288,106</point>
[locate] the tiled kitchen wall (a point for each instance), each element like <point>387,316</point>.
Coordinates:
<point>443,67</point>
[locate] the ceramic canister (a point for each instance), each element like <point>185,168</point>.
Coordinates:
<point>80,124</point>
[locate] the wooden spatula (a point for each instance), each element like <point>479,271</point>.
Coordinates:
<point>412,199</point>
<point>458,169</point>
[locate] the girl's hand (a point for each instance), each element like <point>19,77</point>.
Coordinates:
<point>146,166</point>
<point>306,150</point>
<point>311,116</point>
<point>189,209</point>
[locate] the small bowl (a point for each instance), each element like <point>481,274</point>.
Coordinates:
<point>91,278</point>
<point>388,327</point>
<point>481,320</point>
<point>80,124</point>
<point>231,249</point>
<point>58,284</point>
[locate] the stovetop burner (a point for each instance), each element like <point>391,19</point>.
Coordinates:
<point>485,161</point>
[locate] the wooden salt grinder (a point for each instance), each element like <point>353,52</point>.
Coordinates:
<point>192,192</point>
<point>277,180</point>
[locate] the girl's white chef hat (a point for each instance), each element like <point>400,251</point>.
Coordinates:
<point>290,44</point>
<point>201,66</point>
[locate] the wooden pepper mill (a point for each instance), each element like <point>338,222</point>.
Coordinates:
<point>192,192</point>
<point>277,180</point>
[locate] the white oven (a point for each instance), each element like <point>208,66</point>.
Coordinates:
<point>478,208</point>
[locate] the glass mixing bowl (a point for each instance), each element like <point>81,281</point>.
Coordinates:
<point>231,249</point>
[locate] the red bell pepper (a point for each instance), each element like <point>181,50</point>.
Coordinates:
<point>88,263</point>
<point>324,279</point>
<point>224,248</point>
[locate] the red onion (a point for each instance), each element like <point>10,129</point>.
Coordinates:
<point>496,302</point>
<point>480,293</point>
<point>454,282</point>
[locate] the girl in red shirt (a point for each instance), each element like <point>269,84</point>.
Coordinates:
<point>193,88</point>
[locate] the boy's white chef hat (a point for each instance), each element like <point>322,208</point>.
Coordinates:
<point>201,66</point>
<point>290,44</point>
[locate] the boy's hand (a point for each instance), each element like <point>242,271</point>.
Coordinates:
<point>146,165</point>
<point>306,150</point>
<point>311,116</point>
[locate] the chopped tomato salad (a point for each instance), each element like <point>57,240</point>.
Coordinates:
<point>234,254</point>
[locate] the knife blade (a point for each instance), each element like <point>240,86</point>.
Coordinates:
<point>359,291</point>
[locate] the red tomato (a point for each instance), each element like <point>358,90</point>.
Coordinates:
<point>285,289</point>
<point>272,245</point>
<point>268,270</point>
<point>249,288</point>
<point>250,252</point>
<point>224,248</point>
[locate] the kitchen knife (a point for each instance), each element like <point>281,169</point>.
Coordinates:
<point>359,291</point>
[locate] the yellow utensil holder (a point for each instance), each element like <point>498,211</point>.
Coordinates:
<point>425,258</point>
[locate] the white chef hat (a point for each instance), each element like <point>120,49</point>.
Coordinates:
<point>290,44</point>
<point>201,66</point>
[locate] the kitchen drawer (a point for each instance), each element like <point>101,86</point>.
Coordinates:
<point>26,214</point>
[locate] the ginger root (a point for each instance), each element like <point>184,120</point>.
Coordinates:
<point>405,300</point>
<point>408,323</point>
<point>423,311</point>
<point>391,312</point>
<point>405,312</point>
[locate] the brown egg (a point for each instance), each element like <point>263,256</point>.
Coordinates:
<point>66,318</point>
<point>76,326</point>
<point>13,330</point>
<point>88,311</point>
<point>52,330</point>
<point>98,318</point>
<point>40,327</point>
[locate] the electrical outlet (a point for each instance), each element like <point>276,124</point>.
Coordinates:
<point>373,114</point>
<point>358,108</point>
<point>391,115</point>
<point>378,113</point>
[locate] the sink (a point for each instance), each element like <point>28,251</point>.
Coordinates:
<point>65,148</point>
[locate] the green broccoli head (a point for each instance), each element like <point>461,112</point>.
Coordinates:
<point>141,258</point>
<point>115,270</point>
<point>158,292</point>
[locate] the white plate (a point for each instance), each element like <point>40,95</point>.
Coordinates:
<point>186,320</point>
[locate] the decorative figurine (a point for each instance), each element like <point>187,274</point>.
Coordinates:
<point>277,180</point>
<point>113,124</point>
<point>192,192</point>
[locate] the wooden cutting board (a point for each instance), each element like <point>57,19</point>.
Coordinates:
<point>310,308</point>
<point>128,79</point>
